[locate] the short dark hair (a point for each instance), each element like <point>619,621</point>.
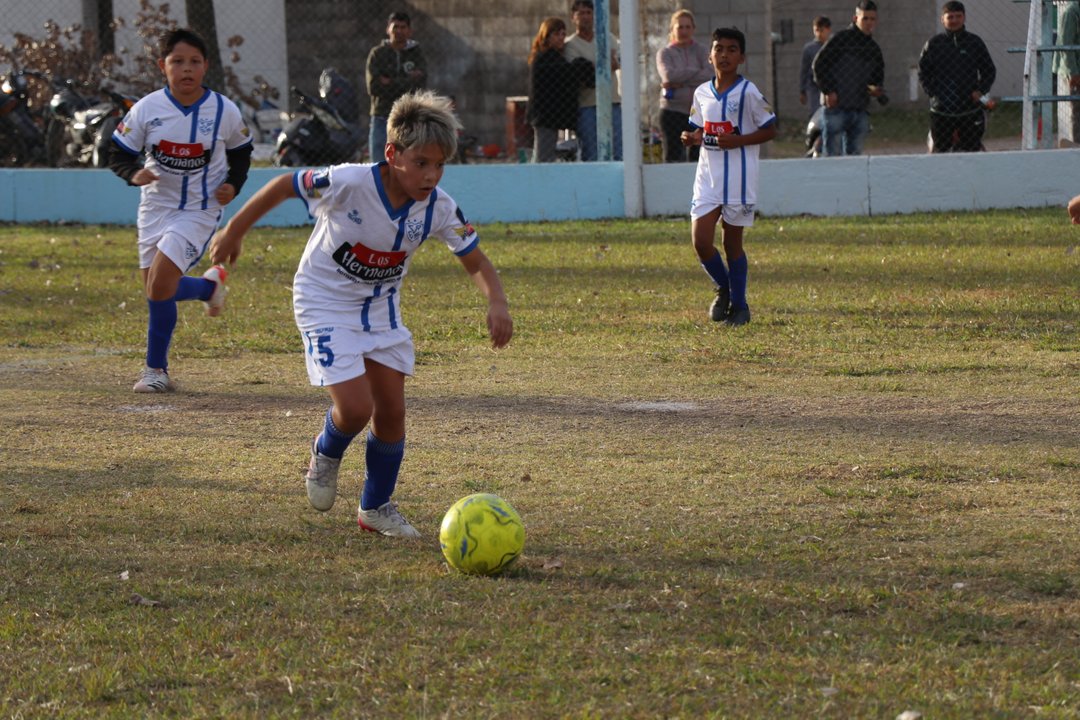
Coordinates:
<point>953,6</point>
<point>866,6</point>
<point>821,21</point>
<point>399,17</point>
<point>578,4</point>
<point>181,35</point>
<point>730,33</point>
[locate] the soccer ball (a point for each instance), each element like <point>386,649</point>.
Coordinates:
<point>481,534</point>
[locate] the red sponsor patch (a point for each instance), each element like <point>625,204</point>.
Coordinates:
<point>180,150</point>
<point>378,258</point>
<point>719,128</point>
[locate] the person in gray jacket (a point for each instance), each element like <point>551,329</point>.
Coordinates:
<point>682,65</point>
<point>395,67</point>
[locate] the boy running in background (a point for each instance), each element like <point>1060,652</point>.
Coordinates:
<point>198,152</point>
<point>369,220</point>
<point>732,120</point>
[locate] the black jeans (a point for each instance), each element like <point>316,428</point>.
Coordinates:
<point>957,134</point>
<point>672,123</point>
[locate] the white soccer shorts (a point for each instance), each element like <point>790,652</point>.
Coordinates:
<point>738,215</point>
<point>181,235</point>
<point>336,354</point>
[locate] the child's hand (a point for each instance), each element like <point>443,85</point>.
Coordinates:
<point>225,248</point>
<point>225,194</point>
<point>500,325</point>
<point>143,177</point>
<point>689,138</point>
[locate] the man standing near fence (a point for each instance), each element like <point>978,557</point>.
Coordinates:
<point>1067,67</point>
<point>956,72</point>
<point>394,67</point>
<point>850,69</point>
<point>583,44</point>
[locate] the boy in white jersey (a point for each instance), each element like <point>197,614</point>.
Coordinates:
<point>732,120</point>
<point>369,220</point>
<point>198,152</point>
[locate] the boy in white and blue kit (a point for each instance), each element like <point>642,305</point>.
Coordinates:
<point>732,119</point>
<point>189,151</point>
<point>369,220</point>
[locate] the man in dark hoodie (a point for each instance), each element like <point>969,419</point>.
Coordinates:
<point>956,72</point>
<point>850,69</point>
<point>394,67</point>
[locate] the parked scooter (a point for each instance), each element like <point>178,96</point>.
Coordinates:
<point>325,130</point>
<point>80,130</point>
<point>22,141</point>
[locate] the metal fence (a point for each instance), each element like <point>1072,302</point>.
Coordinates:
<point>479,53</point>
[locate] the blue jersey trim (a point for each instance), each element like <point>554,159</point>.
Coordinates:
<point>394,214</point>
<point>299,194</point>
<point>187,109</point>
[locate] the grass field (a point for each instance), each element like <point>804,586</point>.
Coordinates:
<point>863,503</point>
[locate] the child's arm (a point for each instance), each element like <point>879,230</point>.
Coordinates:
<point>1074,210</point>
<point>225,248</point>
<point>500,325</point>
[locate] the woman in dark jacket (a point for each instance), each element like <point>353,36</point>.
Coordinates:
<point>553,88</point>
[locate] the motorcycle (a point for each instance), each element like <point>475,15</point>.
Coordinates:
<point>21,140</point>
<point>325,130</point>
<point>80,131</point>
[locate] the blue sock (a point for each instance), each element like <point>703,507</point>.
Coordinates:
<point>194,288</point>
<point>380,476</point>
<point>159,332</point>
<point>739,271</point>
<point>715,267</point>
<point>332,442</point>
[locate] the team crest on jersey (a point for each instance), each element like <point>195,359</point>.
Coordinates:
<point>313,181</point>
<point>368,266</point>
<point>732,105</point>
<point>414,229</point>
<point>354,215</point>
<point>206,125</point>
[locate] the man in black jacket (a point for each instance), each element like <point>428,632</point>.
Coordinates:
<point>956,71</point>
<point>850,69</point>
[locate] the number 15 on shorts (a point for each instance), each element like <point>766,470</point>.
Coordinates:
<point>318,346</point>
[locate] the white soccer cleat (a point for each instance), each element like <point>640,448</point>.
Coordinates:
<point>321,479</point>
<point>387,520</point>
<point>216,274</point>
<point>154,381</point>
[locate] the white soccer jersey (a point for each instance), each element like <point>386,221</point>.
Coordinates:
<point>185,146</point>
<point>728,177</point>
<point>359,251</point>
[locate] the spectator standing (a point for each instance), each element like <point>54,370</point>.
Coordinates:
<point>956,72</point>
<point>582,44</point>
<point>553,88</point>
<point>682,65</point>
<point>394,67</point>
<point>850,69</point>
<point>809,93</point>
<point>1067,66</point>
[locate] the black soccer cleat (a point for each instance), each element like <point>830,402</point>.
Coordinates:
<point>721,306</point>
<point>738,317</point>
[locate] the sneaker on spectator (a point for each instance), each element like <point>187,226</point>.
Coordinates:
<point>154,380</point>
<point>321,479</point>
<point>720,307</point>
<point>387,520</point>
<point>216,303</point>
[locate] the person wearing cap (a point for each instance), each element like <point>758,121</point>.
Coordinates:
<point>956,72</point>
<point>395,67</point>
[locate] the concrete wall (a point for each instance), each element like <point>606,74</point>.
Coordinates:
<point>868,185</point>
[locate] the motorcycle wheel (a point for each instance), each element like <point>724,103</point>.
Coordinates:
<point>54,144</point>
<point>100,156</point>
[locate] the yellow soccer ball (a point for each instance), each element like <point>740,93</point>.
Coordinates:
<point>481,534</point>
